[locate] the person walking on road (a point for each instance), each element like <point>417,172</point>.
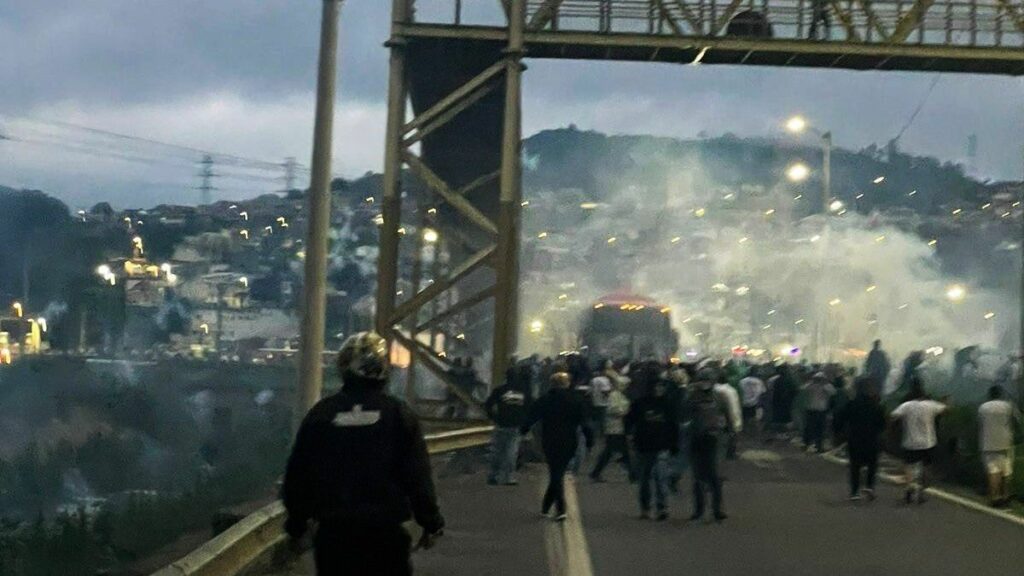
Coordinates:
<point>733,404</point>
<point>917,417</point>
<point>562,417</point>
<point>507,406</point>
<point>819,395</point>
<point>877,367</point>
<point>709,418</point>
<point>997,419</point>
<point>653,421</point>
<point>601,387</point>
<point>862,421</point>
<point>615,434</point>
<point>752,389</point>
<point>360,468</point>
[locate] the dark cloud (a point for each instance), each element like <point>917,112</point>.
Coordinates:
<point>157,59</point>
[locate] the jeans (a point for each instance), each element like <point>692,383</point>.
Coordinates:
<point>704,451</point>
<point>814,429</point>
<point>653,466</point>
<point>862,459</point>
<point>505,447</point>
<point>614,444</point>
<point>555,494</point>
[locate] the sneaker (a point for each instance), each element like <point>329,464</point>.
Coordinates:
<point>662,516</point>
<point>719,516</point>
<point>560,518</point>
<point>855,498</point>
<point>511,482</point>
<point>869,493</point>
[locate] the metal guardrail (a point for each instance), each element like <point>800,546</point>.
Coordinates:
<point>256,537</point>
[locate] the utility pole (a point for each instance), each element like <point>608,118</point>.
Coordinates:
<point>206,184</point>
<point>290,167</point>
<point>311,339</point>
<point>826,171</point>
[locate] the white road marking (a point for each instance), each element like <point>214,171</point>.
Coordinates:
<point>566,543</point>
<point>940,494</point>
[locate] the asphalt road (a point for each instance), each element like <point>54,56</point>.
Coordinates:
<point>789,516</point>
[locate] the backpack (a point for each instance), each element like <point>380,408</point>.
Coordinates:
<point>708,413</point>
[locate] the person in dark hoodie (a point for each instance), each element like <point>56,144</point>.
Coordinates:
<point>862,422</point>
<point>360,469</point>
<point>507,406</point>
<point>709,418</point>
<point>562,416</point>
<point>654,422</point>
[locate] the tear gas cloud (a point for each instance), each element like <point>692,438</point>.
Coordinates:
<point>743,265</point>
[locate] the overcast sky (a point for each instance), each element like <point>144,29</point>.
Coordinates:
<point>237,76</point>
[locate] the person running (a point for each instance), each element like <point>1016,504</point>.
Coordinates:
<point>709,418</point>
<point>507,406</point>
<point>615,434</point>
<point>653,421</point>
<point>862,421</point>
<point>819,394</point>
<point>996,421</point>
<point>917,416</point>
<point>360,468</point>
<point>562,416</point>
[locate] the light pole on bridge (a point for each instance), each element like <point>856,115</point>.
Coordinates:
<point>311,338</point>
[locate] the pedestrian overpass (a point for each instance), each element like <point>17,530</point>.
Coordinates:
<point>459,63</point>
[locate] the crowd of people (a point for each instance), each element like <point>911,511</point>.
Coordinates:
<point>661,420</point>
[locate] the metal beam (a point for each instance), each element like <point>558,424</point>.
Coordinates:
<point>913,18</point>
<point>695,23</point>
<point>459,306</point>
<point>439,286</point>
<point>545,44</point>
<point>429,360</point>
<point>723,20</point>
<point>481,181</point>
<point>444,117</point>
<point>544,14</point>
<point>454,97</point>
<point>1014,12</point>
<point>435,183</point>
<point>873,20</point>
<point>846,20</point>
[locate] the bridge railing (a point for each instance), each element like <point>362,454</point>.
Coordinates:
<point>960,23</point>
<point>255,539</point>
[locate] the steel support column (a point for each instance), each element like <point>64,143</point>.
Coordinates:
<point>506,309</point>
<point>391,204</point>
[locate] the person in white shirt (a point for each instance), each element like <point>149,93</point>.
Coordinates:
<point>732,398</point>
<point>600,391</point>
<point>996,420</point>
<point>917,416</point>
<point>752,389</point>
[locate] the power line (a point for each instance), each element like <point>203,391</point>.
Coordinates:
<point>920,106</point>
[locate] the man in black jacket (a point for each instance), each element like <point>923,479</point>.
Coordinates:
<point>507,406</point>
<point>360,468</point>
<point>654,422</point>
<point>862,422</point>
<point>709,418</point>
<point>562,416</point>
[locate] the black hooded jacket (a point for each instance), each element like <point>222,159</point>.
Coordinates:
<point>560,413</point>
<point>360,460</point>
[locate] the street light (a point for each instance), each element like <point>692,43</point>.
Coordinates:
<point>798,172</point>
<point>836,205</point>
<point>536,327</point>
<point>799,125</point>
<point>430,236</point>
<point>18,309</point>
<point>956,293</point>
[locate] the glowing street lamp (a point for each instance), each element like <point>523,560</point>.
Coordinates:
<point>430,236</point>
<point>536,327</point>
<point>836,206</point>
<point>18,309</point>
<point>244,281</point>
<point>798,172</point>
<point>796,124</point>
<point>956,293</point>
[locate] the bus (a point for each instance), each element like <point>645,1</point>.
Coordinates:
<point>623,325</point>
